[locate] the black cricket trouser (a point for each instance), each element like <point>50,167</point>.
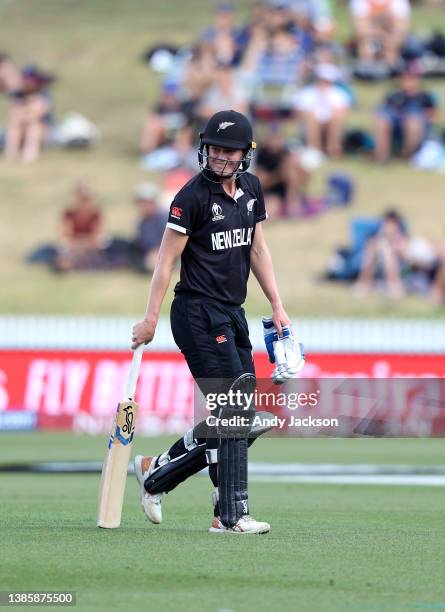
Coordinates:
<point>212,336</point>
<point>214,339</point>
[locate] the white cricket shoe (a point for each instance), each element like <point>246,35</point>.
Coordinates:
<point>151,504</point>
<point>245,525</point>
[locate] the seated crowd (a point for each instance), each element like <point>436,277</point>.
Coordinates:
<point>384,256</point>
<point>85,244</point>
<point>285,69</point>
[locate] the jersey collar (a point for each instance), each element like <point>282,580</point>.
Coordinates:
<point>218,188</point>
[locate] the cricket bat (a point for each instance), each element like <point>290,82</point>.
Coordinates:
<point>115,466</point>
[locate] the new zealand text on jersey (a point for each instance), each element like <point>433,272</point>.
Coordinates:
<point>232,238</point>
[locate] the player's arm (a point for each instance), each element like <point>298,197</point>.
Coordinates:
<point>262,267</point>
<point>172,245</point>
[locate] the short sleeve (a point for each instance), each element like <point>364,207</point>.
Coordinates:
<point>261,213</point>
<point>182,214</point>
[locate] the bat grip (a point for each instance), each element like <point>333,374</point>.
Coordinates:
<point>134,372</point>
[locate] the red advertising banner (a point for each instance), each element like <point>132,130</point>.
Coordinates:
<point>79,390</point>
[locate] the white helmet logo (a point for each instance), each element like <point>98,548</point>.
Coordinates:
<point>224,125</point>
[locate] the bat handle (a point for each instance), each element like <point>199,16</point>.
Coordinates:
<point>134,372</point>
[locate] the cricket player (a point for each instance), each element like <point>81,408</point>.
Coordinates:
<point>215,227</point>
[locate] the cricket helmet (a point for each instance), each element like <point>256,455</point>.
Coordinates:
<point>230,130</point>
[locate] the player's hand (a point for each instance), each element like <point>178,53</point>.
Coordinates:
<point>287,354</point>
<point>280,319</point>
<point>143,332</point>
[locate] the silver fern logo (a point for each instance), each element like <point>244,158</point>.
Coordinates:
<point>224,125</point>
<point>250,204</point>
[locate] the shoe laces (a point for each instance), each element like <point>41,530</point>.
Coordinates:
<point>155,499</point>
<point>247,517</point>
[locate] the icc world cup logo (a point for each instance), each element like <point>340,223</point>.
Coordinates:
<point>216,209</point>
<point>217,212</point>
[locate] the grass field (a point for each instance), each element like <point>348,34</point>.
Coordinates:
<point>94,46</point>
<point>49,446</point>
<point>332,547</point>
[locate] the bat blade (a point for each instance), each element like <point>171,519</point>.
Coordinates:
<point>115,466</point>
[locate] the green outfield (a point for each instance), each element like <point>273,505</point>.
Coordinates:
<point>332,547</point>
<point>32,447</point>
<point>95,47</point>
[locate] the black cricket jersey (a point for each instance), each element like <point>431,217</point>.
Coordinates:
<point>216,260</point>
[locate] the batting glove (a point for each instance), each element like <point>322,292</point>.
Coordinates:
<point>287,354</point>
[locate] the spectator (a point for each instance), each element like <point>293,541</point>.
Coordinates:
<point>225,93</point>
<point>278,16</point>
<point>268,18</point>
<point>10,76</point>
<point>315,16</point>
<point>329,53</point>
<point>324,107</point>
<point>30,116</point>
<point>405,116</point>
<point>423,261</point>
<point>382,252</point>
<point>223,36</point>
<point>223,21</point>
<point>282,177</point>
<point>283,61</point>
<point>258,20</point>
<point>198,72</point>
<point>169,122</point>
<point>385,257</point>
<point>381,27</point>
<point>150,228</point>
<point>276,69</point>
<point>81,232</point>
<point>226,50</point>
<point>256,45</point>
